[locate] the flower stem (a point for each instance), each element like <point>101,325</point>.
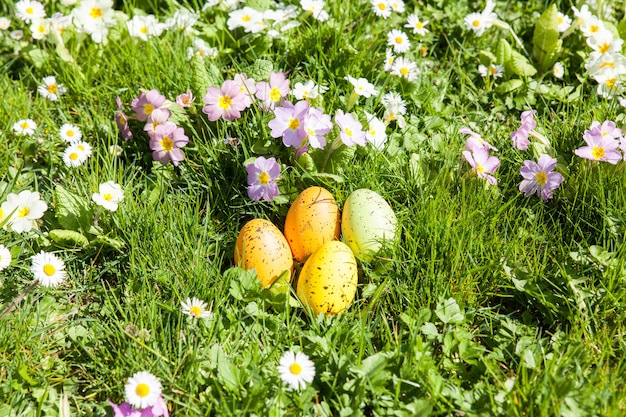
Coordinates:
<point>19,298</point>
<point>333,146</point>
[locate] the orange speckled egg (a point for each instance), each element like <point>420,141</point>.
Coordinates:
<point>313,219</point>
<point>261,246</point>
<point>329,278</point>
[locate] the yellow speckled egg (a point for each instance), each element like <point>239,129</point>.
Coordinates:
<point>313,219</point>
<point>328,280</point>
<point>261,246</point>
<point>366,222</point>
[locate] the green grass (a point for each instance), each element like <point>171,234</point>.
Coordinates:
<point>490,303</point>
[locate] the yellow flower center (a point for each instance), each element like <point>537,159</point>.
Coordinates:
<point>23,212</point>
<point>74,156</point>
<point>559,20</point>
<point>96,12</point>
<point>610,83</point>
<point>81,147</point>
<point>195,311</point>
<point>480,168</point>
<point>246,18</point>
<point>607,64</point>
<point>148,108</point>
<point>264,178</point>
<point>167,143</point>
<point>404,71</point>
<point>594,28</point>
<point>541,178</point>
<point>52,88</point>
<point>30,10</point>
<point>42,29</point>
<point>419,25</point>
<point>142,390</point>
<point>398,40</point>
<point>107,196</point>
<point>224,102</point>
<point>24,125</point>
<point>382,6</point>
<point>274,94</point>
<point>143,30</point>
<point>604,48</point>
<point>493,70</point>
<point>597,152</point>
<point>69,133</point>
<point>348,131</point>
<point>49,270</point>
<point>294,124</point>
<point>476,23</point>
<point>295,369</point>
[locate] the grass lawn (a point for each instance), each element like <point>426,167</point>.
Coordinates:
<point>141,136</point>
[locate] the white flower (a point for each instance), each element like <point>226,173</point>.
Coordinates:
<point>492,70</point>
<point>389,58</point>
<point>381,8</point>
<point>398,41</point>
<point>315,7</point>
<point>249,19</point>
<point>564,22</point>
<point>142,390</point>
<point>59,22</point>
<point>182,20</point>
<point>70,133</point>
<point>308,90</point>
<point>558,70</point>
<point>94,17</point>
<point>362,87</point>
<point>394,103</point>
<point>414,22</point>
<point>479,22</point>
<point>602,43</point>
<point>23,210</point>
<point>109,196</point>
<point>40,28</point>
<point>25,127</point>
<point>5,257</point>
<point>591,26</point>
<point>48,269</point>
<point>16,35</point>
<point>404,67</point>
<point>583,14</point>
<point>74,155</point>
<point>296,370</point>
<point>375,133</point>
<point>195,308</point>
<point>201,49</point>
<point>29,10</point>
<point>5,23</point>
<point>397,6</point>
<point>50,89</point>
<point>143,27</point>
<point>606,65</point>
<point>115,150</point>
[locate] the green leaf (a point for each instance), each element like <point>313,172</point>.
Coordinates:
<point>68,238</point>
<point>546,36</point>
<point>508,86</point>
<point>108,241</point>
<point>338,159</point>
<point>487,58</point>
<point>72,211</point>
<point>503,51</point>
<point>521,65</point>
<point>449,311</point>
<point>260,69</point>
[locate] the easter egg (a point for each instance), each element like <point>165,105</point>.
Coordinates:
<point>329,278</point>
<point>367,222</point>
<point>313,219</point>
<point>261,246</point>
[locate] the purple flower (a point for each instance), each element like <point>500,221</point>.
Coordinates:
<point>262,175</point>
<point>247,86</point>
<point>601,144</point>
<point>607,128</point>
<point>540,178</point>
<point>351,130</point>
<point>126,410</point>
<point>316,126</point>
<point>475,141</point>
<point>185,99</point>
<point>271,93</point>
<point>227,102</point>
<point>166,142</point>
<point>289,123</point>
<point>158,117</point>
<point>146,103</point>
<point>122,120</point>
<point>483,164</point>
<point>520,136</point>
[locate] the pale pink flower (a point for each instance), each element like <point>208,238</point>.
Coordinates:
<point>482,164</point>
<point>227,102</point>
<point>273,92</point>
<point>289,123</point>
<point>539,177</point>
<point>351,130</point>
<point>262,176</point>
<point>146,103</point>
<point>166,142</point>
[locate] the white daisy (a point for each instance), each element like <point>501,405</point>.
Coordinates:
<point>115,150</point>
<point>5,257</point>
<point>564,22</point>
<point>558,70</point>
<point>296,370</point>
<point>74,155</point>
<point>23,210</point>
<point>398,41</point>
<point>16,35</point>
<point>394,102</point>
<point>40,28</point>
<point>195,308</point>
<point>362,87</point>
<point>381,8</point>
<point>397,5</point>
<point>492,70</point>
<point>109,195</point>
<point>143,27</point>
<point>404,67</point>
<point>48,269</point>
<point>50,89</point>
<point>25,127</point>
<point>70,133</point>
<point>29,10</point>
<point>375,133</point>
<point>5,23</point>
<point>414,22</point>
<point>389,58</point>
<point>142,390</point>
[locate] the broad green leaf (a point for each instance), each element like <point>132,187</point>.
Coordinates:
<point>508,86</point>
<point>487,58</point>
<point>260,69</point>
<point>337,160</point>
<point>521,65</point>
<point>449,311</point>
<point>108,241</point>
<point>68,238</point>
<point>503,51</point>
<point>546,36</point>
<point>72,211</point>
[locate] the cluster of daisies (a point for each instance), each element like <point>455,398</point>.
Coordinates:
<point>144,391</point>
<point>605,142</point>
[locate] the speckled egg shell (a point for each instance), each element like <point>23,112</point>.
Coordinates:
<point>367,221</point>
<point>313,219</point>
<point>329,278</point>
<point>261,246</point>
